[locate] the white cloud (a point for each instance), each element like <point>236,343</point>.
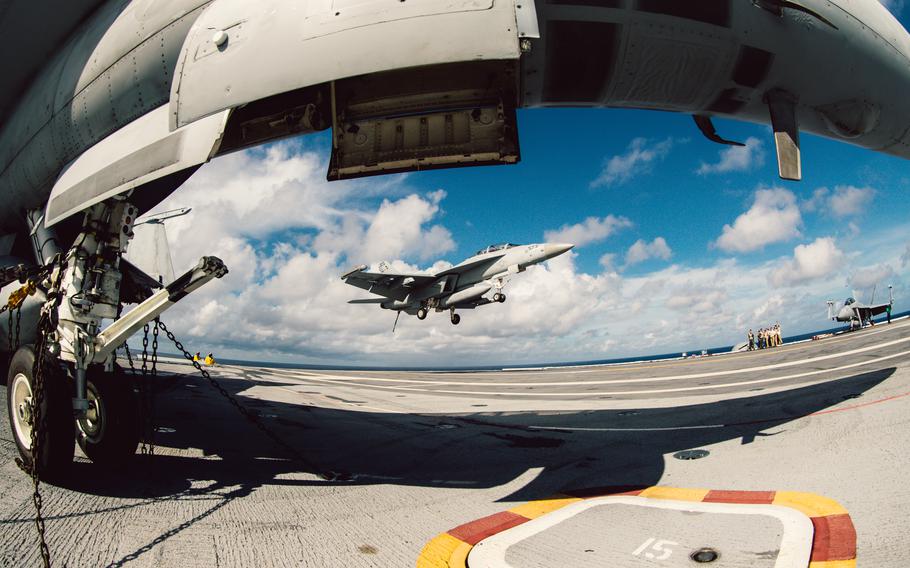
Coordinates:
<point>869,276</point>
<point>287,236</point>
<point>591,230</point>
<point>774,217</point>
<point>643,250</point>
<point>608,261</point>
<point>905,258</point>
<point>810,262</point>
<point>844,201</point>
<point>638,159</point>
<point>817,201</point>
<point>848,200</point>
<point>736,158</point>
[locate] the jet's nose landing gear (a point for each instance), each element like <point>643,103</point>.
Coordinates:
<point>498,297</point>
<point>455,317</point>
<point>109,431</point>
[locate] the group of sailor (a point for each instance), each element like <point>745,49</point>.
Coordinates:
<point>207,360</point>
<point>766,338</point>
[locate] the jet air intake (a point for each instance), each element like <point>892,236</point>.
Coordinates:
<point>466,295</point>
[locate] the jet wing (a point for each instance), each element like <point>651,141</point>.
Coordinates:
<point>393,285</point>
<point>459,269</point>
<point>867,312</point>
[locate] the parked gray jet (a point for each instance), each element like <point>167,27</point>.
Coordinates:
<point>464,286</point>
<point>858,313</point>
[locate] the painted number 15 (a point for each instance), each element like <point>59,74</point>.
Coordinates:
<point>654,549</point>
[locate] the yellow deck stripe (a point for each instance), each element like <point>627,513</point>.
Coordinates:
<point>809,503</point>
<point>674,493</point>
<point>535,509</point>
<point>442,552</point>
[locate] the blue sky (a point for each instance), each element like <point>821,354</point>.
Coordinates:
<point>705,243</point>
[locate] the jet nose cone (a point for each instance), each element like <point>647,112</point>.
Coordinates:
<point>556,249</point>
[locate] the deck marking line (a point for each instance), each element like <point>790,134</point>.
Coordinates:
<point>652,391</point>
<point>353,379</point>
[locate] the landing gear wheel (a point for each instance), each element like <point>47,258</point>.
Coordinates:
<point>421,313</point>
<point>497,297</point>
<point>109,432</point>
<point>55,451</point>
<point>455,319</point>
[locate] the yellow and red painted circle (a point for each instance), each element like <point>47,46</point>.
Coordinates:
<point>833,542</point>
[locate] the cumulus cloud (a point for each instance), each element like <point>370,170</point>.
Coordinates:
<point>640,156</point>
<point>774,217</point>
<point>642,250</point>
<point>848,200</point>
<point>591,230</point>
<point>810,262</point>
<point>869,276</point>
<point>736,158</point>
<point>844,201</point>
<point>287,235</point>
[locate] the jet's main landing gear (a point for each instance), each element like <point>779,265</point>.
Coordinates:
<point>58,440</point>
<point>455,318</point>
<point>499,297</point>
<point>421,313</point>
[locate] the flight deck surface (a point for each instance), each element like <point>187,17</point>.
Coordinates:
<point>424,453</point>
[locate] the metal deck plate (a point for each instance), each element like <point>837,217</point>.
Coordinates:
<point>635,531</point>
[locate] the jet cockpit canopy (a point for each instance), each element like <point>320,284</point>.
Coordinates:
<point>494,248</point>
<point>849,301</point>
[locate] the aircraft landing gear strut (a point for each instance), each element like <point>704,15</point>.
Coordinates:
<point>455,317</point>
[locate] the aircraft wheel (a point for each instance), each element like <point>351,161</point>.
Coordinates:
<point>422,314</point>
<point>58,442</point>
<point>109,432</point>
<point>501,299</point>
<point>456,319</point>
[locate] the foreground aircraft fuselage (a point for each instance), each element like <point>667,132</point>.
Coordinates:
<point>107,106</point>
<point>139,94</point>
<point>464,286</point>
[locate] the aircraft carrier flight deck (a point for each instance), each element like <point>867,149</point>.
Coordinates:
<point>564,466</point>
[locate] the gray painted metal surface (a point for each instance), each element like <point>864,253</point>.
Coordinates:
<point>846,65</point>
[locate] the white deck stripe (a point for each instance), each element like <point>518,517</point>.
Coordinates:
<point>331,381</point>
<point>352,379</point>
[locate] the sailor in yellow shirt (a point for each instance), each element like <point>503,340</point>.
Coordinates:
<point>197,357</point>
<point>209,360</point>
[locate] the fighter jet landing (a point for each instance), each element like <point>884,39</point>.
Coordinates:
<point>465,286</point>
<point>770,458</point>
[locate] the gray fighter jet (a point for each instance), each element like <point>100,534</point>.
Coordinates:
<point>858,313</point>
<point>464,286</point>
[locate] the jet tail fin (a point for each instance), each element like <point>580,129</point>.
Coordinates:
<point>831,313</point>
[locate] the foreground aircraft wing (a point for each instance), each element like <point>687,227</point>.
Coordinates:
<point>394,285</point>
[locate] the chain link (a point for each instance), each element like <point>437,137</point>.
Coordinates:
<point>147,447</point>
<point>251,417</point>
<point>45,328</point>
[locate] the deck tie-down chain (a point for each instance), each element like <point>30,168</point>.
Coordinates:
<point>250,416</point>
<point>46,326</point>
